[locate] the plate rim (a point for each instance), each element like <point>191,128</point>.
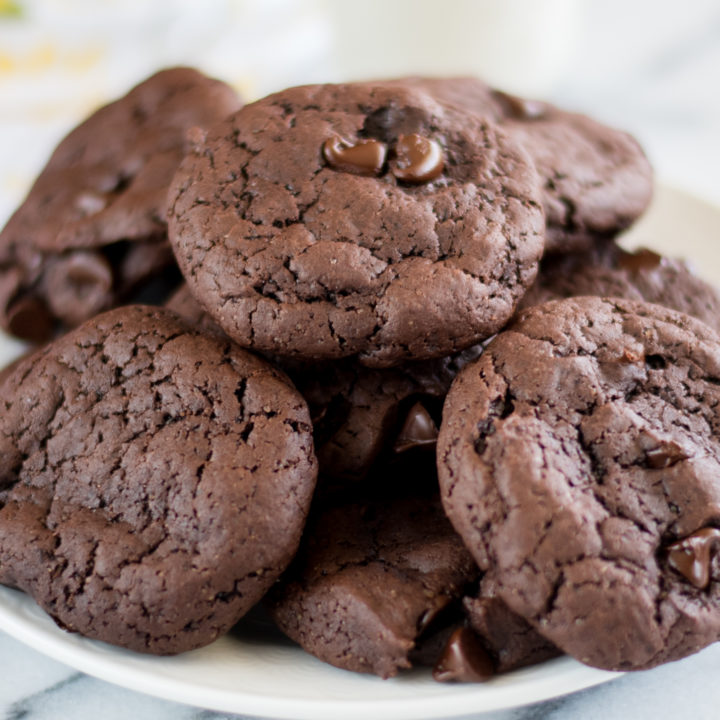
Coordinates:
<point>104,662</point>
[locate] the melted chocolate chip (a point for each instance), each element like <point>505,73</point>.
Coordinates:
<point>642,259</point>
<point>520,108</point>
<point>691,556</point>
<point>418,430</point>
<point>665,455</point>
<point>463,660</point>
<point>80,286</point>
<point>417,159</point>
<point>30,319</point>
<point>363,157</point>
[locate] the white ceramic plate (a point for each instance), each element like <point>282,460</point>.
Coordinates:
<point>259,674</point>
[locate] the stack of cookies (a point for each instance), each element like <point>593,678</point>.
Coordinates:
<point>398,383</point>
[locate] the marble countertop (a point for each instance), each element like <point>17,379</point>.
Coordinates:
<point>34,687</point>
<point>653,68</point>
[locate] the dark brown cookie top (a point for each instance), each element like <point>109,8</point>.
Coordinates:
<point>369,579</point>
<point>93,225</point>
<point>574,456</point>
<point>314,223</point>
<point>154,483</point>
<point>610,271</point>
<point>596,179</point>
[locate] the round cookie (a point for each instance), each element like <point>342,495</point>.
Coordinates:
<point>596,179</point>
<point>154,481</point>
<point>578,459</point>
<point>93,226</point>
<point>339,220</point>
<point>610,271</point>
<point>369,579</point>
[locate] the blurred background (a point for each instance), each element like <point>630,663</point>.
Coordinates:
<point>649,66</point>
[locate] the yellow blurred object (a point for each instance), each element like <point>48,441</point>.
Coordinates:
<point>47,56</point>
<point>10,8</point>
<point>41,58</point>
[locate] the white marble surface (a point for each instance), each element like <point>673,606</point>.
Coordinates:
<point>652,67</point>
<point>33,687</point>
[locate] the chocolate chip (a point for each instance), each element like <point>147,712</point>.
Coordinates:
<point>79,286</point>
<point>418,430</point>
<point>363,157</point>
<point>691,556</point>
<point>29,318</point>
<point>417,159</point>
<point>463,660</point>
<point>641,259</point>
<point>665,456</point>
<point>521,108</point>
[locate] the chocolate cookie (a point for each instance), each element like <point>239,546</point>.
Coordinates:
<point>578,459</point>
<point>610,271</point>
<point>331,221</point>
<point>510,640</point>
<point>369,579</point>
<point>154,481</point>
<point>93,227</point>
<point>597,180</point>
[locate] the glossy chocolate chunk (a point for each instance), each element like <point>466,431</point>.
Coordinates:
<point>418,430</point>
<point>463,660</point>
<point>363,157</point>
<point>691,556</point>
<point>418,159</point>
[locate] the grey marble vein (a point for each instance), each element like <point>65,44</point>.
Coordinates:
<point>23,709</point>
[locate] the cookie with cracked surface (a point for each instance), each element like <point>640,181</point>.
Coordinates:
<point>610,271</point>
<point>369,578</point>
<point>578,458</point>
<point>154,481</point>
<point>93,226</point>
<point>596,179</point>
<point>342,220</point>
